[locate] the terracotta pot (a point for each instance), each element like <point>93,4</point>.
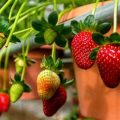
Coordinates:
<point>33,70</point>
<point>95,99</point>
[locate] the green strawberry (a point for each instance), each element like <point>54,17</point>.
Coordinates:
<point>19,65</point>
<point>16,91</point>
<point>49,36</point>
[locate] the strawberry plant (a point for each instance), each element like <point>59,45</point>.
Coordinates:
<point>19,21</point>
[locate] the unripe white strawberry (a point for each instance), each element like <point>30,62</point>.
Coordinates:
<point>47,84</point>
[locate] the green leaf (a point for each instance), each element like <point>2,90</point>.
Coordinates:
<point>12,81</point>
<point>14,39</point>
<point>61,41</point>
<point>37,25</point>
<point>50,36</point>
<point>98,38</point>
<point>103,27</point>
<point>40,25</point>
<point>43,63</point>
<point>82,25</point>
<point>4,24</point>
<point>115,38</point>
<point>59,64</point>
<point>30,61</point>
<point>66,30</point>
<point>89,20</point>
<point>59,28</point>
<point>94,53</point>
<point>17,77</point>
<point>69,82</point>
<point>53,18</point>
<point>47,63</point>
<point>75,27</point>
<point>40,40</point>
<point>50,61</point>
<point>26,87</point>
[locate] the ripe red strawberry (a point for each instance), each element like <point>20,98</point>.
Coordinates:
<point>108,61</point>
<point>51,106</point>
<point>82,45</point>
<point>4,102</point>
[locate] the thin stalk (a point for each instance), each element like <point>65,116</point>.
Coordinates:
<point>15,23</point>
<point>27,49</point>
<point>54,52</point>
<point>95,7</point>
<point>23,72</point>
<point>12,9</point>
<point>5,68</point>
<point>5,6</point>
<point>115,16</point>
<point>25,55</point>
<point>26,16</point>
<point>55,5</point>
<point>31,10</point>
<point>73,3</point>
<point>22,31</point>
<point>54,45</point>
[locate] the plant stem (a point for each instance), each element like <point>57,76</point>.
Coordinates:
<point>95,7</point>
<point>54,45</point>
<point>73,3</point>
<point>5,68</point>
<point>32,9</point>
<point>55,5</point>
<point>27,49</point>
<point>54,52</point>
<point>5,6</point>
<point>15,23</point>
<point>26,16</point>
<point>115,16</point>
<point>23,72</point>
<point>12,9</point>
<point>22,31</point>
<point>25,55</point>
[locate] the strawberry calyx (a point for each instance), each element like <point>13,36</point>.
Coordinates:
<point>24,59</point>
<point>17,80</point>
<point>57,67</point>
<point>21,61</point>
<point>101,40</point>
<point>114,38</point>
<point>48,63</point>
<point>90,24</point>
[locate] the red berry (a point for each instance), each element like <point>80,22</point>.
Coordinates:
<point>108,61</point>
<point>4,102</point>
<point>51,106</point>
<point>82,45</point>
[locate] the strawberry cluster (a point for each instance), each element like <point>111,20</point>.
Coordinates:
<point>90,46</point>
<point>50,86</point>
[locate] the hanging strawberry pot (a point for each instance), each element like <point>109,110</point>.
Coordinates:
<point>92,51</point>
<point>98,86</point>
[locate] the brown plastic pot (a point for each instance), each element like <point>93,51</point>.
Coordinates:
<point>95,99</point>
